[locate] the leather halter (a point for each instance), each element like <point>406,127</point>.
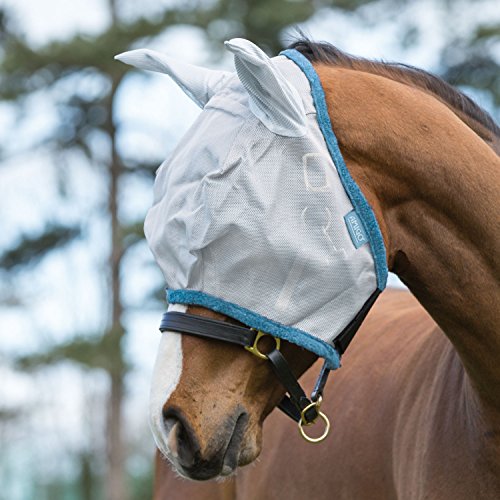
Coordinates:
<point>296,404</point>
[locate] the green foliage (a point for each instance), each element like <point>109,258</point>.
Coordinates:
<point>8,414</point>
<point>475,62</point>
<point>133,233</point>
<point>30,249</point>
<point>90,352</point>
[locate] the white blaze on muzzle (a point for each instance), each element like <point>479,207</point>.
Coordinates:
<point>255,214</point>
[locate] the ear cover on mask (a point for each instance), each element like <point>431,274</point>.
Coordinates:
<point>273,100</point>
<point>200,84</point>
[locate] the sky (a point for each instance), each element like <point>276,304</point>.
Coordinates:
<point>144,107</point>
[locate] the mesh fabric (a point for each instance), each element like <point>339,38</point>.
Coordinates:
<point>256,219</point>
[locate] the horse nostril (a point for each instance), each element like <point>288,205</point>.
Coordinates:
<point>181,441</point>
<point>221,454</point>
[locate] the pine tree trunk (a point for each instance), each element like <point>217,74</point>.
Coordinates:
<point>116,477</point>
<point>116,474</point>
<point>86,476</point>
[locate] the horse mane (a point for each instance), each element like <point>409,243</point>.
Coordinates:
<point>403,73</point>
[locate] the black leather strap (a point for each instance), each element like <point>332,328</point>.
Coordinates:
<point>288,408</point>
<point>344,338</point>
<point>320,383</point>
<point>297,397</point>
<point>208,328</point>
<point>283,371</point>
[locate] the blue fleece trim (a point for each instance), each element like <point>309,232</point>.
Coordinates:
<point>254,320</point>
<point>355,195</point>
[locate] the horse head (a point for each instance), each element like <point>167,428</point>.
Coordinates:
<point>257,227</point>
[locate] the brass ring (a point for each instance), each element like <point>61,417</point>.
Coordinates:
<point>325,432</point>
<point>255,350</point>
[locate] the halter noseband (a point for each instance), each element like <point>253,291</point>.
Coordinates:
<point>305,411</point>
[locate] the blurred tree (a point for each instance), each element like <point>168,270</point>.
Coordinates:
<point>473,62</point>
<point>86,122</point>
<point>28,250</point>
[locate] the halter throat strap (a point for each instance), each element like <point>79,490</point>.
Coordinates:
<point>296,405</point>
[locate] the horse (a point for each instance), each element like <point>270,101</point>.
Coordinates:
<point>416,405</point>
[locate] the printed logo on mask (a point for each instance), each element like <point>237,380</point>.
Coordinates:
<point>356,230</point>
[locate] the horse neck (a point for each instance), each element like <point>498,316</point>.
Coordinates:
<point>434,187</point>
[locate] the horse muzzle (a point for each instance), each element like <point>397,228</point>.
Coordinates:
<point>219,456</point>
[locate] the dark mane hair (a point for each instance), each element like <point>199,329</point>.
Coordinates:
<point>329,54</point>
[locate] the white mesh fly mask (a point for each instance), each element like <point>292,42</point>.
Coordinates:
<point>255,214</point>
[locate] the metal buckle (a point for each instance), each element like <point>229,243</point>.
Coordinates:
<point>304,423</point>
<point>255,350</point>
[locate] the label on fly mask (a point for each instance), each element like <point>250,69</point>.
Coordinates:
<point>356,229</point>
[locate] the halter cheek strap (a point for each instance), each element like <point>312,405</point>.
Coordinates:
<point>296,404</point>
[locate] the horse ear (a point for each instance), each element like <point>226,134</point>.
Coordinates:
<point>273,100</point>
<point>200,84</point>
